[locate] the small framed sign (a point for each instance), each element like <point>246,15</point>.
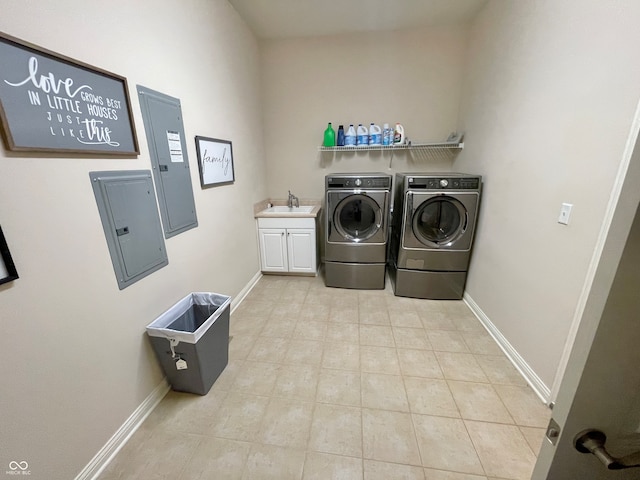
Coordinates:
<point>8,270</point>
<point>215,161</point>
<point>52,103</point>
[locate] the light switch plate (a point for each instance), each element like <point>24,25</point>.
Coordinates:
<point>565,213</point>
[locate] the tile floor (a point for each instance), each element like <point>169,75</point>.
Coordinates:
<point>327,383</point>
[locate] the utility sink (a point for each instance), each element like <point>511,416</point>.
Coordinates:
<point>284,209</point>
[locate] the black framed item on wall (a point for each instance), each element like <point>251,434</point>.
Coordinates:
<point>52,103</point>
<point>8,270</point>
<point>215,161</point>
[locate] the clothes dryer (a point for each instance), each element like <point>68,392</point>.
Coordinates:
<point>356,229</point>
<point>432,233</point>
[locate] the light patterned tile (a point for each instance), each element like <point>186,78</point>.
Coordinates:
<point>160,455</point>
<point>503,450</point>
<point>479,401</point>
<point>225,457</point>
<point>344,315</point>
<point>269,462</point>
<point>436,320</point>
<point>376,335</point>
<point>344,356</point>
<point>323,466</point>
<point>379,360</point>
<point>481,343</point>
<point>500,370</point>
<point>374,470</point>
<point>430,396</point>
<point>411,338</point>
<point>419,363</point>
<point>404,318</point>
<point>336,429</point>
<point>534,437</point>
<point>384,392</point>
<point>286,423</point>
<point>186,413</point>
<point>461,366</point>
<point>268,349</point>
<point>339,387</point>
<point>239,417</point>
<point>308,352</point>
<point>445,444</point>
<point>389,437</point>
<point>444,475</point>
<point>343,332</point>
<point>524,406</point>
<point>311,330</point>
<point>256,377</point>
<point>447,341</point>
<point>297,381</point>
<point>240,346</point>
<point>373,316</point>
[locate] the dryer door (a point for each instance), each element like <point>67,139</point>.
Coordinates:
<point>356,217</point>
<point>440,221</point>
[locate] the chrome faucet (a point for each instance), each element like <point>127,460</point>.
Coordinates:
<point>293,199</point>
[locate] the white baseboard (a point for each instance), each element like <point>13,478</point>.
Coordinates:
<point>100,461</point>
<point>235,303</point>
<point>512,354</point>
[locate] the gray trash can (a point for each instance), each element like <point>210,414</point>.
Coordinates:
<point>191,341</point>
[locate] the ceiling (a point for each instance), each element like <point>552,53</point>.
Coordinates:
<point>270,19</point>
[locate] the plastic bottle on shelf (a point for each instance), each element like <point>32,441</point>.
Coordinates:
<point>350,137</point>
<point>329,136</point>
<point>340,141</point>
<point>362,139</point>
<point>375,135</point>
<point>387,136</point>
<point>398,135</point>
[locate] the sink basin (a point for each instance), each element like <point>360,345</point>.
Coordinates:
<point>285,209</point>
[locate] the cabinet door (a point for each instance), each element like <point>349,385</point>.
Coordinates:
<point>301,243</point>
<point>273,249</point>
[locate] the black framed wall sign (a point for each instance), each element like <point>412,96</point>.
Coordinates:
<point>52,103</point>
<point>215,161</point>
<point>8,270</point>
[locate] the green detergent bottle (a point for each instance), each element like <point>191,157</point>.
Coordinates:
<point>329,136</point>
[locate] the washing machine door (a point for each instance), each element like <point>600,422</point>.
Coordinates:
<point>356,217</point>
<point>440,221</point>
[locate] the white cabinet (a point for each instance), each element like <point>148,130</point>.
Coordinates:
<point>287,245</point>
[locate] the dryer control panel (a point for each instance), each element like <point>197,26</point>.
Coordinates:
<point>444,183</point>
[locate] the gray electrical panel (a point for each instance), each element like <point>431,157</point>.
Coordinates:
<point>129,213</point>
<point>162,117</point>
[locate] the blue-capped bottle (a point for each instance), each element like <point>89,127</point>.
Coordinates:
<point>341,136</point>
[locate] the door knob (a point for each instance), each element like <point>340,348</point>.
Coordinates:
<point>592,441</point>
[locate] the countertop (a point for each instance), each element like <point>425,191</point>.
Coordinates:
<point>258,208</point>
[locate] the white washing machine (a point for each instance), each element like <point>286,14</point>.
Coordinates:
<point>432,233</point>
<point>356,229</point>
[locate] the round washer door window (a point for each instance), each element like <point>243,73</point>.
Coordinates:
<point>439,221</point>
<point>357,217</point>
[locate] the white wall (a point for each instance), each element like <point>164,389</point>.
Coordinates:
<point>549,96</point>
<point>412,77</point>
<point>76,359</point>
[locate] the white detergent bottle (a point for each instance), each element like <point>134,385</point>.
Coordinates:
<point>398,135</point>
<point>362,139</point>
<point>387,137</point>
<point>375,135</point>
<point>350,137</point>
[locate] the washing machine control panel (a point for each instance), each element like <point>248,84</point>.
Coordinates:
<point>444,183</point>
<point>382,183</point>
